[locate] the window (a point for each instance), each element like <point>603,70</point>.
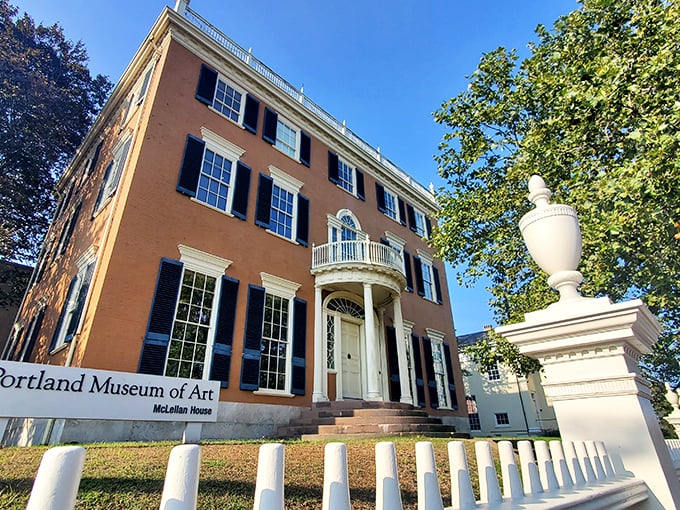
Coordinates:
<point>275,344</point>
<point>330,342</point>
<point>212,174</point>
<point>494,373</point>
<point>418,222</point>
<point>439,375</point>
<point>192,326</point>
<point>281,209</point>
<point>427,277</point>
<point>274,340</point>
<point>287,138</point>
<point>390,204</point>
<point>227,98</point>
<point>399,244</point>
<point>502,419</point>
<point>346,176</point>
<point>191,322</point>
<point>112,174</point>
<point>474,421</point>
<point>70,319</point>
<point>141,94</point>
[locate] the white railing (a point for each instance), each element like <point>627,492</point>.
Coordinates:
<point>558,475</point>
<point>361,252</point>
<point>674,449</point>
<point>246,56</point>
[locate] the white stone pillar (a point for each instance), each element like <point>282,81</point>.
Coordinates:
<point>373,390</point>
<point>404,376</point>
<point>319,348</point>
<point>589,349</point>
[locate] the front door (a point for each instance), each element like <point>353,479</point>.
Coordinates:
<point>351,360</point>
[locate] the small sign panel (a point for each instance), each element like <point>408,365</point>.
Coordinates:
<point>29,390</point>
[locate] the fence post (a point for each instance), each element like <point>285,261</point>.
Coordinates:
<point>58,478</point>
<point>461,488</point>
<point>180,490</point>
<point>387,493</point>
<point>335,479</point>
<point>560,464</point>
<point>512,484</point>
<point>530,476</point>
<point>429,495</point>
<point>489,490</point>
<point>269,493</point>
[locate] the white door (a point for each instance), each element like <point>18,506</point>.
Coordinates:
<point>351,360</point>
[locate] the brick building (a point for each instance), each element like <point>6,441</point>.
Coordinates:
<point>217,224</point>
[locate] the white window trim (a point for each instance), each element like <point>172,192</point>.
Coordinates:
<point>354,177</point>
<point>292,185</point>
<point>335,222</point>
<point>285,289</point>
<point>293,127</point>
<point>138,89</point>
<point>428,259</point>
<point>386,192</point>
<point>495,417</point>
<point>118,168</point>
<point>417,212</point>
<point>228,150</point>
<point>241,113</point>
<point>437,338</point>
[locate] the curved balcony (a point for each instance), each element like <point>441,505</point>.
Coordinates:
<point>358,261</point>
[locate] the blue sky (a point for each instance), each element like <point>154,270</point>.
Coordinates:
<point>383,66</point>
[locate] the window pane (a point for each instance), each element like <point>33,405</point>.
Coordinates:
<point>227,101</point>
<point>281,219</point>
<point>215,180</point>
<point>286,138</point>
<point>274,355</point>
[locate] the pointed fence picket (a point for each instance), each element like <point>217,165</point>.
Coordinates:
<point>551,477</point>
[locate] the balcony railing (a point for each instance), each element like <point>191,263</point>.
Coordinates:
<point>298,95</point>
<point>357,252</point>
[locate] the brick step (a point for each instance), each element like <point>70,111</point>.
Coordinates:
<point>384,428</point>
<point>359,420</point>
<point>307,416</point>
<point>342,437</point>
<point>359,404</point>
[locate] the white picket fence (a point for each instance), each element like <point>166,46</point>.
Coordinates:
<point>550,476</point>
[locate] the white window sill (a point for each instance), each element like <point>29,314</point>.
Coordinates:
<point>273,393</point>
<point>217,209</point>
<point>396,220</point>
<point>294,158</point>
<point>276,234</point>
<point>58,349</point>
<point>347,191</point>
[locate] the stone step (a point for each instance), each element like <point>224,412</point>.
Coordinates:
<point>383,428</point>
<point>341,437</point>
<point>368,419</point>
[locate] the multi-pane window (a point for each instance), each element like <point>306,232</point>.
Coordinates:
<point>330,342</point>
<point>494,373</point>
<point>391,205</point>
<point>228,100</point>
<point>474,421</point>
<point>345,176</point>
<point>421,228</point>
<point>502,419</point>
<point>286,138</point>
<point>281,220</point>
<point>439,374</point>
<point>112,174</point>
<point>274,355</point>
<point>428,280</point>
<point>215,180</point>
<point>191,328</point>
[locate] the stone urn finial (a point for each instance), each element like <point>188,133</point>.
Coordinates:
<point>553,238</point>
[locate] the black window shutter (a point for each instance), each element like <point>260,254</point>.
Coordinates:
<point>252,339</point>
<point>270,122</point>
<point>239,206</point>
<point>251,114</point>
<point>71,227</point>
<point>305,149</point>
<point>100,195</point>
<point>264,201</point>
<point>361,192</point>
<point>95,158</point>
<point>437,284</point>
<point>299,346</point>
<point>402,211</point>
<point>380,197</point>
<point>428,225</point>
<point>449,376</point>
<point>393,364</point>
<point>333,162</point>
<point>409,273</point>
<point>429,369</point>
<point>64,309</point>
<point>161,317</point>
<point>34,332</point>
<point>207,81</point>
<point>411,217</point>
<point>80,303</point>
<point>191,166</point>
<point>420,285</point>
<point>417,364</point>
<point>302,228</point>
<point>224,334</point>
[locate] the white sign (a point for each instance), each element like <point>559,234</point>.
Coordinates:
<point>29,390</point>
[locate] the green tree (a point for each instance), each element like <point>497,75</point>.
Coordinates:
<point>595,110</point>
<point>48,100</point>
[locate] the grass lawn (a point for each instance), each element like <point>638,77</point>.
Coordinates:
<point>130,475</point>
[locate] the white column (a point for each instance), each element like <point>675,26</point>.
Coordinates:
<point>373,392</point>
<point>589,349</point>
<point>319,349</point>
<point>404,376</point>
